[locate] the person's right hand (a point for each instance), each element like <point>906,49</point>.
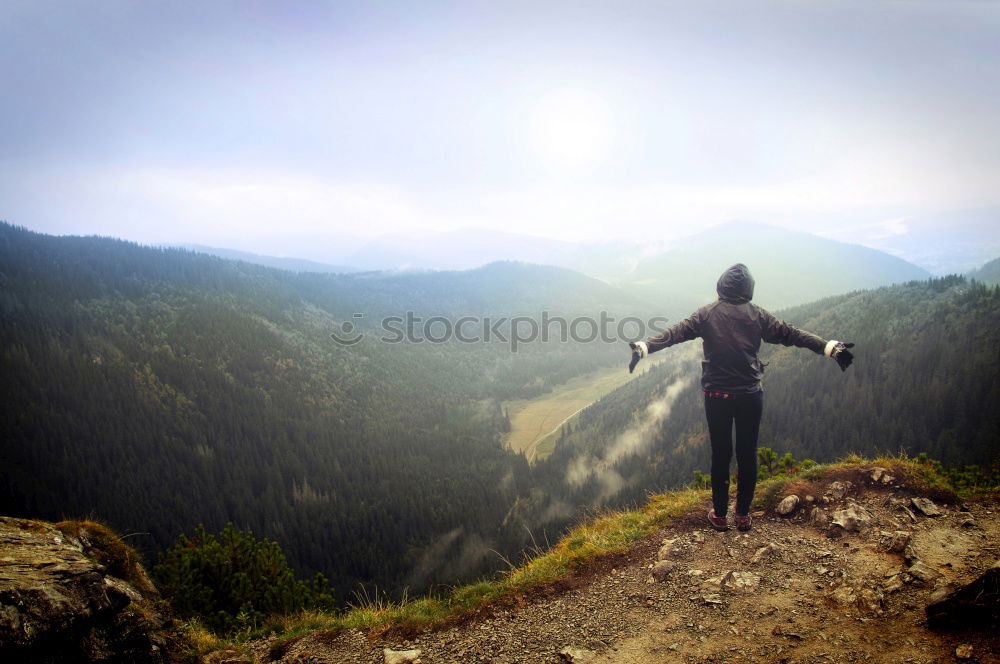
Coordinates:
<point>843,356</point>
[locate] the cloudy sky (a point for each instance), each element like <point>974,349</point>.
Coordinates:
<point>291,127</point>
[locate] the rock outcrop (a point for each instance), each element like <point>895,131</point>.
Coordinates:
<point>59,605</point>
<point>976,603</point>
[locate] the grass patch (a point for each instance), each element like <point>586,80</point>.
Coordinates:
<point>918,474</point>
<point>201,639</point>
<point>105,547</point>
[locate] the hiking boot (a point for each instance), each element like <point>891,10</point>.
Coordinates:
<point>719,523</point>
<point>742,522</point>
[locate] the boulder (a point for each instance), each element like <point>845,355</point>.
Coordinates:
<point>881,476</point>
<point>745,581</point>
<point>390,656</point>
<point>976,604</point>
<point>895,542</point>
<point>788,505</point>
<point>772,550</point>
<point>893,584</point>
<point>662,570</point>
<point>56,603</point>
<point>868,601</point>
<point>837,490</point>
<point>926,506</point>
<point>819,518</point>
<point>923,572</point>
<point>665,550</point>
<point>577,655</point>
<point>851,519</point>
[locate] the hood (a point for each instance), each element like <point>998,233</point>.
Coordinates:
<point>735,285</point>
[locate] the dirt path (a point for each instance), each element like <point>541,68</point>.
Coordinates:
<point>809,598</point>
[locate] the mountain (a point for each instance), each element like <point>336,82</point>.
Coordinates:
<point>161,388</point>
<point>789,267</point>
<point>283,263</point>
<point>469,248</point>
<point>988,273</point>
<point>457,250</point>
<point>951,242</point>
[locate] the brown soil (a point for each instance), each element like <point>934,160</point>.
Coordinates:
<point>820,599</point>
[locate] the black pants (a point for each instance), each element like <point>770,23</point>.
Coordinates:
<point>723,412</point>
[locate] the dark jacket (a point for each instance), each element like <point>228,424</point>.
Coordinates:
<point>731,329</point>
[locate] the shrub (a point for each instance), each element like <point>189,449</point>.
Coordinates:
<point>233,581</point>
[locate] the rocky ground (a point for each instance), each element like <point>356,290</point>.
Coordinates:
<point>845,576</point>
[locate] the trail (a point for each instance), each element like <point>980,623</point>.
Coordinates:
<point>815,598</point>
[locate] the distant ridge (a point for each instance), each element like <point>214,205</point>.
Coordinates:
<point>281,262</point>
<point>790,267</point>
<point>950,242</point>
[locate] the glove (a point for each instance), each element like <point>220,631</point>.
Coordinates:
<point>838,351</point>
<point>639,351</point>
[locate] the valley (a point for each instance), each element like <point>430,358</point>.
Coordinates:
<point>535,423</point>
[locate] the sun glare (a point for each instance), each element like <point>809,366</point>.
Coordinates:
<point>572,130</point>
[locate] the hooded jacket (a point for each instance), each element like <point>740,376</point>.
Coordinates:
<point>732,329</point>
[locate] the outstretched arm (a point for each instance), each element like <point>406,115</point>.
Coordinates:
<point>777,331</point>
<point>687,329</point>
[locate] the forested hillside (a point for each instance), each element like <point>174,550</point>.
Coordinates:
<point>159,389</point>
<point>926,378</point>
<point>988,273</point>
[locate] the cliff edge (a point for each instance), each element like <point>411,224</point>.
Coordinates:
<point>63,597</point>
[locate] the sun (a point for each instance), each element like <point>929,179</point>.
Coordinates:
<point>572,130</point>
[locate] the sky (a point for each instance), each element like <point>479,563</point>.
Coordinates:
<point>304,128</point>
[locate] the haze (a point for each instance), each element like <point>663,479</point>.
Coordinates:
<point>306,129</point>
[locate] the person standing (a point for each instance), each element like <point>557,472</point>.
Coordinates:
<point>732,329</point>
